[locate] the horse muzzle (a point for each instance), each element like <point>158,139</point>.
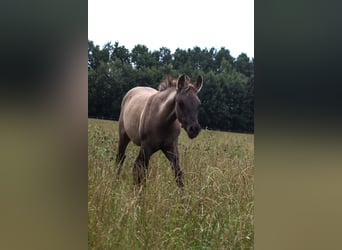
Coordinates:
<point>193,131</point>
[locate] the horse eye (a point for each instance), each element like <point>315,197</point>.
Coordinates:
<point>181,104</point>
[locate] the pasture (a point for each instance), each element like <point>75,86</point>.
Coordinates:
<point>214,211</point>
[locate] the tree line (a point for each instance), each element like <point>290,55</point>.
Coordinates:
<point>227,95</point>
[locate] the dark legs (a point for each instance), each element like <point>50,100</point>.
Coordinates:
<point>140,167</point>
<point>171,153</point>
<point>123,142</point>
<point>141,163</point>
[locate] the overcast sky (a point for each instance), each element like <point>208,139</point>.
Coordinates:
<point>174,24</point>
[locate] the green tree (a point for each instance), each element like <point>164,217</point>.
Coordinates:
<point>222,54</point>
<point>244,65</point>
<point>93,55</point>
<point>121,53</point>
<point>181,62</point>
<point>165,56</point>
<point>141,57</point>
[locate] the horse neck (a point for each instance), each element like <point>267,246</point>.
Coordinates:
<point>167,107</point>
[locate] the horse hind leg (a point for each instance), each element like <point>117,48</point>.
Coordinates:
<point>123,142</point>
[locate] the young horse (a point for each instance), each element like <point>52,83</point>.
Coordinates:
<point>153,119</point>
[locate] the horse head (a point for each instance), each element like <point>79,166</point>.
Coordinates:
<point>188,104</point>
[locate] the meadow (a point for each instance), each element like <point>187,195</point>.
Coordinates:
<point>214,211</point>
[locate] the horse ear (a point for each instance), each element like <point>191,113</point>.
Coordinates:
<point>199,83</point>
<point>181,82</point>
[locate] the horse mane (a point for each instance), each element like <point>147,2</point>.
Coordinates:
<point>170,82</point>
<point>167,82</point>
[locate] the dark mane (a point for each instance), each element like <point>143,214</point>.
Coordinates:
<point>167,82</point>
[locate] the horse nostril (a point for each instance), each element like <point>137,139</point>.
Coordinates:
<point>194,129</point>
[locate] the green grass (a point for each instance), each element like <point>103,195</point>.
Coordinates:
<point>214,211</point>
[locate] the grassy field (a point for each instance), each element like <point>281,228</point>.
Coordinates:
<point>214,211</point>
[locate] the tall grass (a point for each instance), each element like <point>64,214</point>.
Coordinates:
<point>214,211</point>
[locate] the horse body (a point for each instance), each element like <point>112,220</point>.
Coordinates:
<point>133,106</point>
<point>152,120</point>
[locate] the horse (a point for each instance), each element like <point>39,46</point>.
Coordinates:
<point>152,119</point>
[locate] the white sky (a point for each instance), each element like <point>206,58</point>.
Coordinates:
<point>174,24</point>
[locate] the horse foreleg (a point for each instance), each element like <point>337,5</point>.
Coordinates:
<point>140,168</point>
<point>171,153</point>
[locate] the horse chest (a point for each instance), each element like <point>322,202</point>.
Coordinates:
<point>159,136</point>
